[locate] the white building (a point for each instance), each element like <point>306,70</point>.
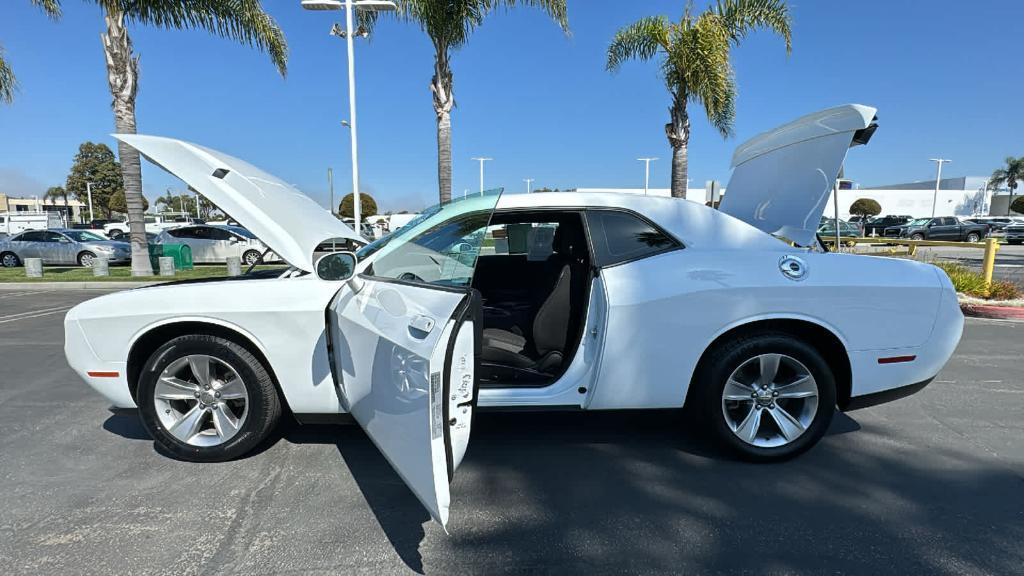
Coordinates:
<point>964,196</point>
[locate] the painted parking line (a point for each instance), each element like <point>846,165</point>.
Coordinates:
<point>4,295</point>
<point>33,314</point>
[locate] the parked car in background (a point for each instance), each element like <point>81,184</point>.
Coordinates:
<point>996,224</point>
<point>948,228</point>
<point>827,230</point>
<point>876,226</point>
<point>155,223</point>
<point>213,244</point>
<point>62,246</point>
<point>1014,233</point>
<point>15,222</point>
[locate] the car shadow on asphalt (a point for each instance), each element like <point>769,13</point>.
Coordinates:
<point>402,517</point>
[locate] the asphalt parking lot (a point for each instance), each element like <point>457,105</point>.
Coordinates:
<point>931,484</point>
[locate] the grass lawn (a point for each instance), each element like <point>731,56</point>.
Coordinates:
<point>117,274</point>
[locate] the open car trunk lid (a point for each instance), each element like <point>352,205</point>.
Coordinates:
<point>280,215</point>
<point>782,178</point>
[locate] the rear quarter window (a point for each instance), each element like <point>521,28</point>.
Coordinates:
<point>620,236</point>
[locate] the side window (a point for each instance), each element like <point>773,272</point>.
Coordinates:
<point>949,221</point>
<point>218,234</point>
<point>52,237</point>
<point>620,237</point>
<point>534,240</point>
<point>30,237</point>
<point>444,255</point>
<point>149,220</point>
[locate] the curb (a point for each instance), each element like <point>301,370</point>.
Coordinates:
<point>993,312</point>
<point>74,285</point>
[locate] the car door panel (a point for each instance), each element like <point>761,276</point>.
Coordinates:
<point>406,372</point>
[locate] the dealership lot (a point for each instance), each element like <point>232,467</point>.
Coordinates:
<point>929,484</point>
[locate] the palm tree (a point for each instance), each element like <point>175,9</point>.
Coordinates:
<point>1008,176</point>
<point>54,192</point>
<point>695,65</point>
<point>167,200</point>
<point>8,82</point>
<point>449,24</point>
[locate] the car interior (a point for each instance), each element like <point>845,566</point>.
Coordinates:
<point>535,285</point>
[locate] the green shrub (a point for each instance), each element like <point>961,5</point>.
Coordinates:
<point>967,281</point>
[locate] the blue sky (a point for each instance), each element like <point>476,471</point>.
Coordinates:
<point>944,74</point>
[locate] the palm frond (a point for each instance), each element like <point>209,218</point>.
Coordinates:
<point>741,17</point>
<point>50,7</point>
<point>8,83</point>
<point>241,20</point>
<point>640,40</point>
<point>557,9</point>
<point>700,59</point>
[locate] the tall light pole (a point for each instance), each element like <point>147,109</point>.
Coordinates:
<point>348,35</point>
<point>647,172</point>
<point>938,178</point>
<point>481,160</point>
<point>529,184</point>
<point>88,192</point>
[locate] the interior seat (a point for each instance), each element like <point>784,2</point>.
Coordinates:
<point>542,348</point>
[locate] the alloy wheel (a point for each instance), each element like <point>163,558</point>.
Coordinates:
<point>770,400</point>
<point>86,260</point>
<point>201,400</point>
<point>10,260</point>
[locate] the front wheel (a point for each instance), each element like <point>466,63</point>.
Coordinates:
<point>917,237</point>
<point>207,399</point>
<point>974,237</point>
<point>10,260</point>
<point>86,259</point>
<point>251,257</point>
<point>116,235</point>
<point>766,397</point>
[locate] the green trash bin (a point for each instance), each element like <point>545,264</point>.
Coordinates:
<point>181,253</point>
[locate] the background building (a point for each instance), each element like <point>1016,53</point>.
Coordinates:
<point>73,212</point>
<point>962,196</point>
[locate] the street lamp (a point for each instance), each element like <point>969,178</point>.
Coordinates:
<point>88,191</point>
<point>481,160</point>
<point>347,34</point>
<point>529,184</point>
<point>938,177</point>
<point>647,172</point>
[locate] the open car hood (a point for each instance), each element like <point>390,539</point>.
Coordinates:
<point>286,220</point>
<point>782,179</point>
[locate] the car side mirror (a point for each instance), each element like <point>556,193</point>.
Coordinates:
<point>336,266</point>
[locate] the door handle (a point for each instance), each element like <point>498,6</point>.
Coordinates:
<point>421,324</point>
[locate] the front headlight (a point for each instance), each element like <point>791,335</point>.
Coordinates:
<point>105,249</point>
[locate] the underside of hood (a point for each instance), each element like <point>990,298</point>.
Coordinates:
<point>782,179</point>
<point>285,219</point>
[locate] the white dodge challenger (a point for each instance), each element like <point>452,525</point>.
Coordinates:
<point>545,301</point>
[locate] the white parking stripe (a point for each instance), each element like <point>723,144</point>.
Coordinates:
<point>29,312</point>
<point>13,294</point>
<point>6,319</point>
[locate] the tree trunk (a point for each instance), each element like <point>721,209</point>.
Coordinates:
<point>444,100</point>
<point>122,75</point>
<point>678,133</point>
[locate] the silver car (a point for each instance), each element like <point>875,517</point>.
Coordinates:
<point>213,244</point>
<point>62,246</point>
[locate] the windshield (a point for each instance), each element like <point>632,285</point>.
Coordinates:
<point>919,222</point>
<point>84,236</point>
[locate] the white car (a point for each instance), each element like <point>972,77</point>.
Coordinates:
<point>537,301</point>
<point>155,223</point>
<point>214,244</point>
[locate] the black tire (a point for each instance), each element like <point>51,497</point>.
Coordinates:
<point>973,237</point>
<point>917,237</point>
<point>264,409</point>
<point>116,235</point>
<point>9,260</point>
<point>251,257</point>
<point>85,259</point>
<point>718,366</point>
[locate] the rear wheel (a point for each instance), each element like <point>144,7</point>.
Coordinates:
<point>85,259</point>
<point>973,237</point>
<point>10,260</point>
<point>251,257</point>
<point>116,235</point>
<point>767,396</point>
<point>207,399</point>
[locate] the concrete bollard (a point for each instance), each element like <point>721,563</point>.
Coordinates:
<point>34,267</point>
<point>234,266</point>
<point>166,266</point>
<point>100,267</point>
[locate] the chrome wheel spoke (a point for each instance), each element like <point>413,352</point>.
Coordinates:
<point>802,387</point>
<point>189,424</point>
<point>232,390</point>
<point>224,422</point>
<point>171,388</point>
<point>737,391</point>
<point>747,430</point>
<point>200,366</point>
<point>788,425</point>
<point>769,368</point>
